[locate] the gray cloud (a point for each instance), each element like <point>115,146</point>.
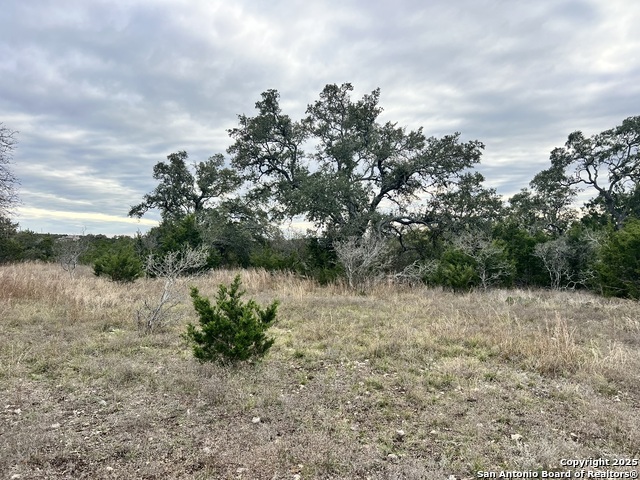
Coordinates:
<point>101,91</point>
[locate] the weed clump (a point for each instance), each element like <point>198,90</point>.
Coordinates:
<point>230,331</point>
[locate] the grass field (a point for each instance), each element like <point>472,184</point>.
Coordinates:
<point>402,383</point>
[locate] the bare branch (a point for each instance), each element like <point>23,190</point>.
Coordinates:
<point>491,264</point>
<point>69,249</point>
<point>364,259</point>
<point>8,181</point>
<point>153,316</point>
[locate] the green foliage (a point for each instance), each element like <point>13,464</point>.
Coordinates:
<point>467,207</point>
<point>235,229</point>
<point>312,257</point>
<point>181,192</point>
<point>491,263</point>
<point>359,164</point>
<point>98,245</point>
<point>320,261</point>
<point>232,232</point>
<point>519,246</point>
<point>628,206</point>
<point>7,227</point>
<point>31,246</point>
<point>37,246</point>
<point>547,207</point>
<point>172,235</point>
<point>584,244</point>
<point>230,331</point>
<point>121,265</point>
<point>609,163</point>
<point>457,271</point>
<point>569,258</point>
<point>619,262</point>
<point>25,245</point>
<point>10,249</point>
<point>270,257</point>
<point>421,244</point>
<point>175,235</point>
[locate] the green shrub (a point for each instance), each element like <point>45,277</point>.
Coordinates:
<point>619,263</point>
<point>230,331</point>
<point>456,271</point>
<point>271,258</point>
<point>519,247</point>
<point>120,266</point>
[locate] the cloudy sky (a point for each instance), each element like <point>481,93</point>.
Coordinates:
<point>100,91</point>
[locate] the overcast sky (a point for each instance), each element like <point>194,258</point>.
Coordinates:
<point>100,91</point>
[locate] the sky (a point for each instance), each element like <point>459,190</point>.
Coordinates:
<point>101,91</point>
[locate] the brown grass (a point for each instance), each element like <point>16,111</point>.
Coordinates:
<point>514,380</point>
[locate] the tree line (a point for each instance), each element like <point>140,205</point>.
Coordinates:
<point>385,201</point>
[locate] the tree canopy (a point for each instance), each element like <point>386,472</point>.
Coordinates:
<point>361,174</point>
<point>548,206</point>
<point>181,192</point>
<point>388,200</point>
<point>608,162</point>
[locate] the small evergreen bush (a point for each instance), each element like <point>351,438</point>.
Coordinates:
<point>456,271</point>
<point>120,266</point>
<point>230,331</point>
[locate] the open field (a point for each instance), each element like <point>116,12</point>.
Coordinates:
<point>401,383</point>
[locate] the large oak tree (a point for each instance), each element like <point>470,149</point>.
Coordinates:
<point>343,170</point>
<point>608,162</point>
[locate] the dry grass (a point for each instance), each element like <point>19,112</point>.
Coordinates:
<point>511,380</point>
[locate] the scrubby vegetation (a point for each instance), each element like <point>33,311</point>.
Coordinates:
<point>405,382</point>
<point>427,327</point>
<point>385,202</point>
<point>231,330</point>
<point>121,265</point>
